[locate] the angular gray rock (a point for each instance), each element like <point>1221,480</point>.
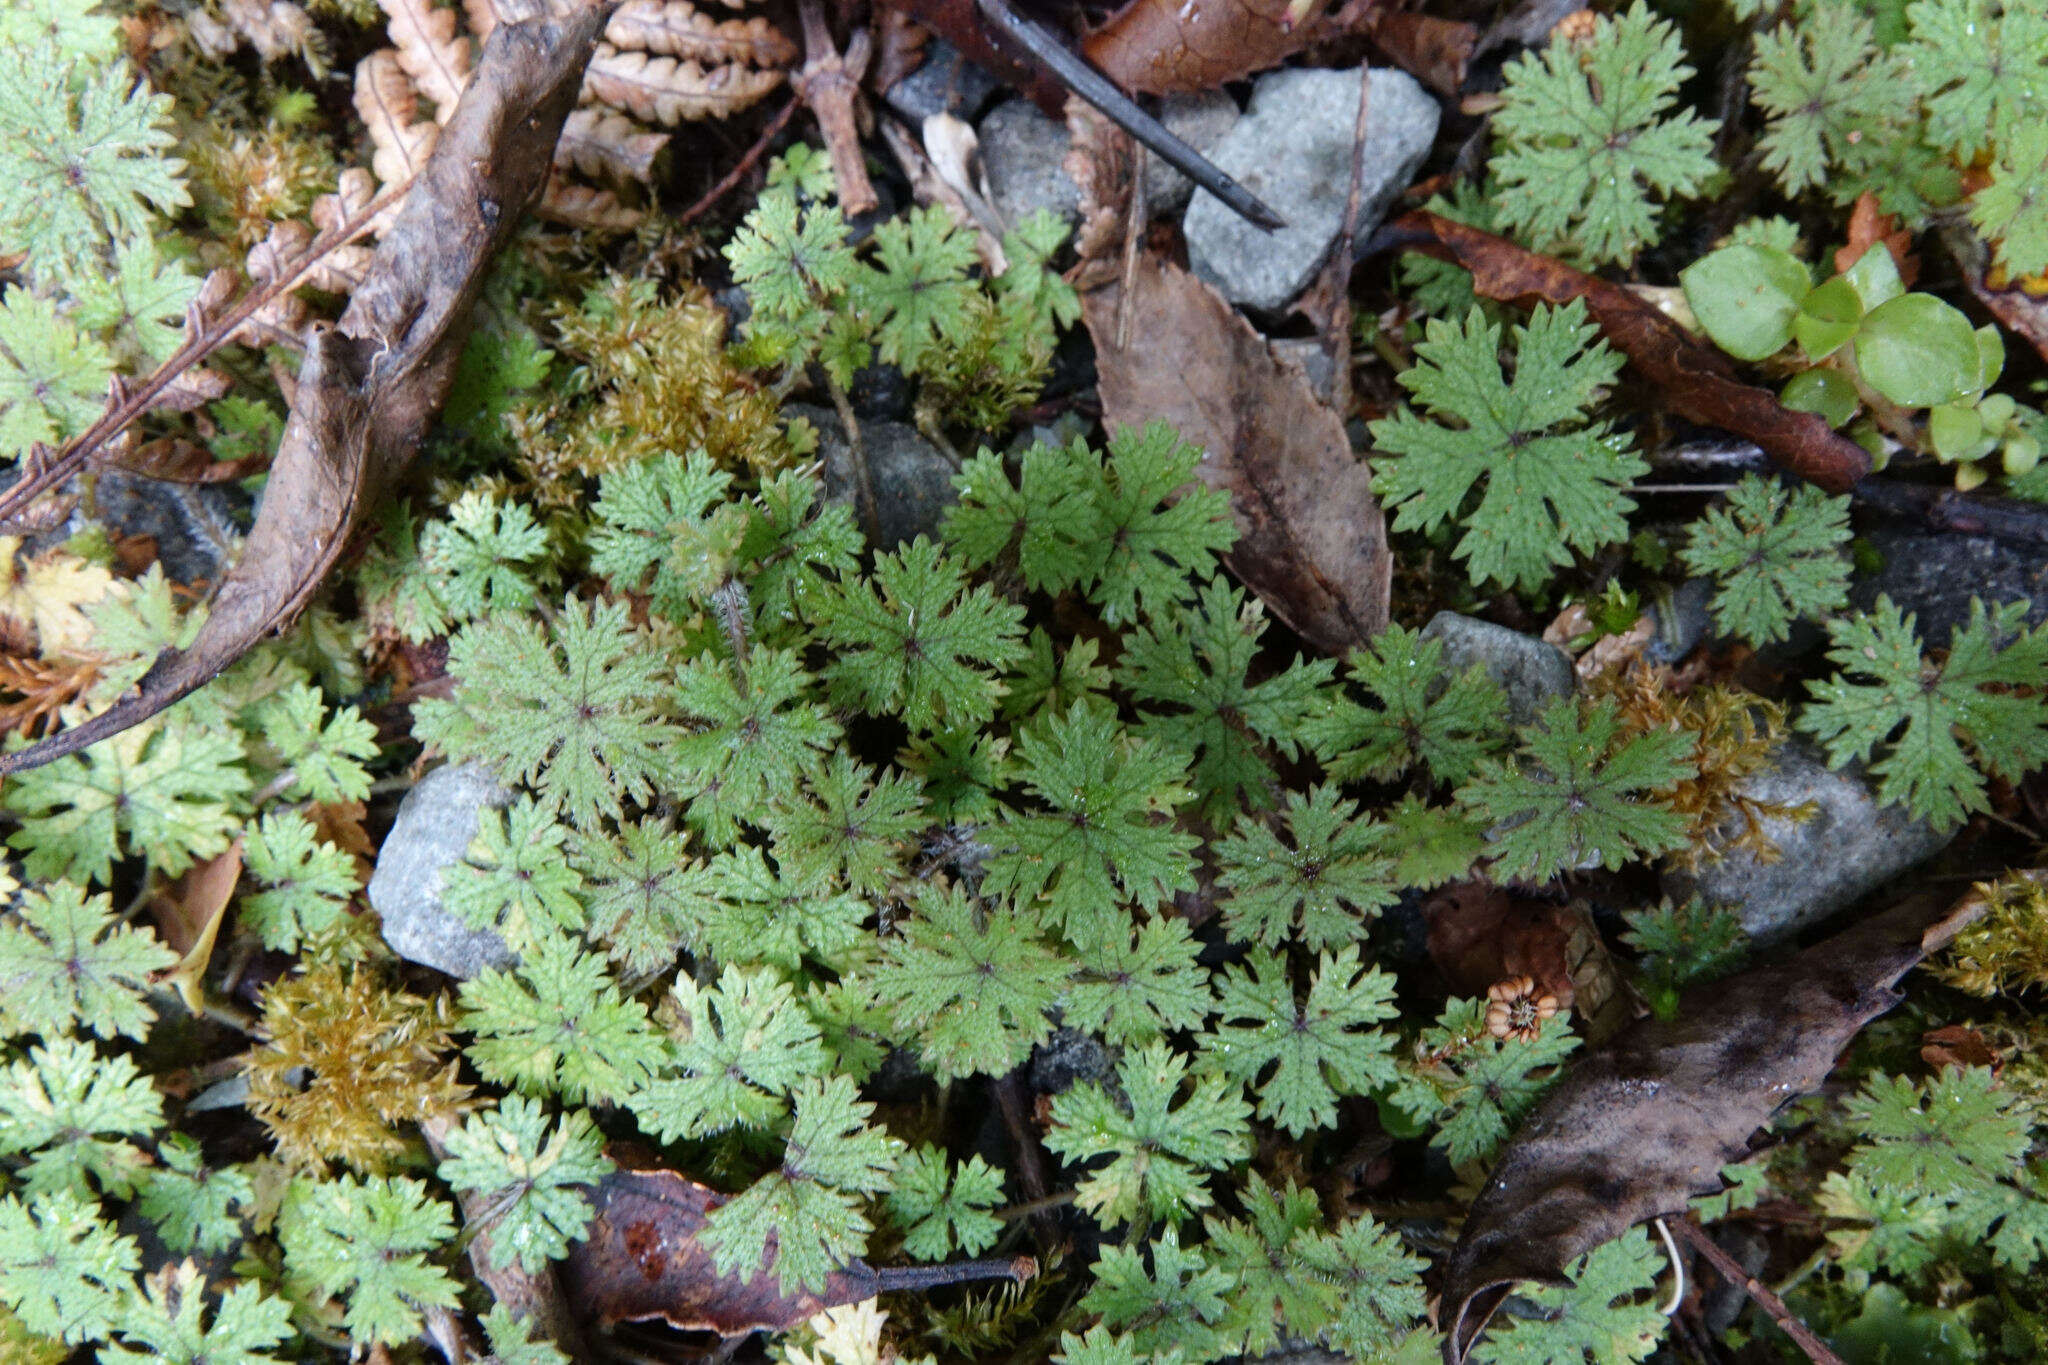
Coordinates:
<point>913,479</point>
<point>1934,574</point>
<point>1850,847</point>
<point>1024,154</point>
<point>435,824</point>
<point>1683,620</point>
<point>1067,1059</point>
<point>1529,670</point>
<point>1293,150</point>
<point>944,83</point>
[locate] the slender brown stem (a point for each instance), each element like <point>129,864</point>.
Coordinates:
<point>43,471</point>
<point>1731,1270</point>
<point>829,83</point>
<point>921,1277</point>
<point>857,456</point>
<point>746,163</point>
<point>1009,1092</point>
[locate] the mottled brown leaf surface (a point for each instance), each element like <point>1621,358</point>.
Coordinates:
<point>1692,377</point>
<point>1162,47</point>
<point>644,1261</point>
<point>1311,541</point>
<point>370,387</point>
<point>1642,1124</point>
<point>2020,312</point>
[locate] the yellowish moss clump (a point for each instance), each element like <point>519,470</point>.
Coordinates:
<point>374,1059</point>
<point>2006,950</point>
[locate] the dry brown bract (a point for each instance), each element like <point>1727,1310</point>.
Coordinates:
<point>1516,1009</point>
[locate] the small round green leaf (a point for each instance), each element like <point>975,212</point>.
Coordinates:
<point>1745,297</point>
<point>1824,391</point>
<point>1918,351</point>
<point>1956,432</point>
<point>1875,277</point>
<point>2022,453</point>
<point>1990,356</point>
<point>1827,318</point>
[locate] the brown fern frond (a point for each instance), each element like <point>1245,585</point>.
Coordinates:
<point>430,49</point>
<point>43,687</point>
<point>676,28</point>
<point>668,90</point>
<point>388,104</point>
<point>586,206</point>
<point>604,144</point>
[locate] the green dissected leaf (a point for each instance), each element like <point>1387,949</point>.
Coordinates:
<point>163,790</point>
<point>1102,837</point>
<point>771,915</point>
<point>1684,944</point>
<point>1954,1132</point>
<point>512,1342</point>
<point>1052,515</point>
<point>1932,720</point>
<point>1044,683</point>
<point>941,1205</point>
<point>1423,716</point>
<point>70,1109</point>
<point>1319,887</point>
<point>188,1202</point>
<point>643,895</point>
<point>913,640</point>
<point>1319,1047</point>
<point>1604,1315</point>
<point>918,291</point>
<point>529,1178</point>
<point>488,556</point>
<point>745,1047</point>
<point>62,1270</point>
<point>306,882</point>
<point>1270,1256</point>
<point>1162,1298</point>
<point>664,527</point>
<point>516,879</point>
<point>971,987</point>
<point>140,303</point>
<point>1131,990</point>
<point>1548,481</point>
<point>84,154</point>
<point>1160,1152</point>
<point>2013,209</point>
<point>754,738</point>
<point>811,1206</point>
<point>1197,662</point>
<point>1776,554</point>
<point>1831,97</point>
<point>1430,845</point>
<point>1383,1299</point>
<point>1472,1086</point>
<point>65,964</point>
<point>1581,792</point>
<point>169,1322</point>
<point>558,1024</point>
<point>570,711</point>
<point>325,761</point>
<point>796,267</point>
<point>1589,145</point>
<point>1982,68</point>
<point>369,1240</point>
<point>1100,1346</point>
<point>1151,551</point>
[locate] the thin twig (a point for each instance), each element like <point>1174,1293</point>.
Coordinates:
<point>42,471</point>
<point>1336,282</point>
<point>746,163</point>
<point>828,83</point>
<point>1731,1270</point>
<point>857,456</point>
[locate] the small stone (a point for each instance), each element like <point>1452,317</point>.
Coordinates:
<point>1683,620</point>
<point>435,825</point>
<point>1293,149</point>
<point>1308,355</point>
<point>1934,574</point>
<point>913,479</point>
<point>193,524</point>
<point>1851,846</point>
<point>1066,1059</point>
<point>1024,155</point>
<point>1021,152</point>
<point>945,83</point>
<point>1531,671</point>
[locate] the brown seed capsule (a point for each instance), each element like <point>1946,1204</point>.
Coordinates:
<point>1515,1009</point>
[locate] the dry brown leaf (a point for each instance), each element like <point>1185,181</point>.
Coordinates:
<point>586,207</point>
<point>431,50</point>
<point>188,914</point>
<point>388,105</point>
<point>1311,540</point>
<point>1101,161</point>
<point>644,1261</point>
<point>675,28</point>
<point>42,688</point>
<point>1162,47</point>
<point>1434,51</point>
<point>176,460</point>
<point>603,144</point>
<point>2022,313</point>
<point>1868,225</point>
<point>669,90</point>
<point>369,388</point>
<point>1643,1123</point>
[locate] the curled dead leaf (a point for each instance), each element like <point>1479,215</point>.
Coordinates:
<point>1311,540</point>
<point>1641,1124</point>
<point>1163,47</point>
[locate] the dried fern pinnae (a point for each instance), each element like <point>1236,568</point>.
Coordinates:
<point>674,28</point>
<point>388,104</point>
<point>431,50</point>
<point>606,145</point>
<point>672,90</point>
